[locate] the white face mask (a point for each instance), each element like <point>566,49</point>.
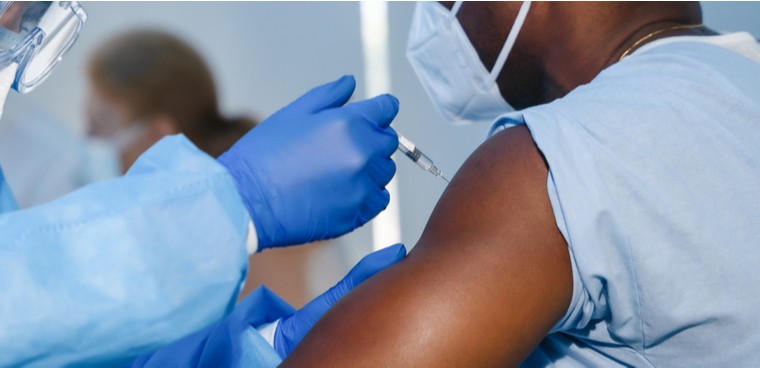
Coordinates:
<point>100,161</point>
<point>7,76</point>
<point>127,136</point>
<point>461,87</point>
<point>103,155</point>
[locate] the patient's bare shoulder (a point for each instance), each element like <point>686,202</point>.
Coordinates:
<point>488,279</point>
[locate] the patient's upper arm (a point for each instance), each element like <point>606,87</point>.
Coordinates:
<point>488,279</point>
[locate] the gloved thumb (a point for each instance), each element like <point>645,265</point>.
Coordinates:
<point>366,268</point>
<point>380,110</point>
<point>292,329</point>
<point>326,96</point>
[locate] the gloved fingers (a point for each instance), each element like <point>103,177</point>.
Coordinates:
<point>374,263</point>
<point>376,202</point>
<point>379,110</point>
<point>366,268</point>
<point>381,171</point>
<point>326,96</point>
<point>293,328</point>
<point>388,142</point>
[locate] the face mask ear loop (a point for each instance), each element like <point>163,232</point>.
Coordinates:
<point>455,8</point>
<point>510,42</point>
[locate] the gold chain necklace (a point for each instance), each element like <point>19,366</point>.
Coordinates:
<point>655,33</point>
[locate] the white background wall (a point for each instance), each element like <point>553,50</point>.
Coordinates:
<point>266,54</point>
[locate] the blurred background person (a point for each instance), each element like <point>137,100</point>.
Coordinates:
<point>147,84</point>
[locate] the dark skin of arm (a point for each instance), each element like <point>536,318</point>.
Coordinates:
<point>489,278</point>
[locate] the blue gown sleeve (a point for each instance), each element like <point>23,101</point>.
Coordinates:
<point>233,342</point>
<point>121,267</point>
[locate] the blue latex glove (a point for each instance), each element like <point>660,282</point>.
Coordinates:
<point>292,329</point>
<point>316,169</point>
<point>234,341</point>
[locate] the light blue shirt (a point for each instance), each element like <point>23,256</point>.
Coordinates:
<point>655,185</point>
<point>121,267</point>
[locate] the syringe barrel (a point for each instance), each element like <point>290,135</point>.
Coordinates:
<point>423,161</point>
<point>410,150</point>
<point>414,155</point>
<point>404,144</point>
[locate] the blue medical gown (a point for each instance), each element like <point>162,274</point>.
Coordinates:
<point>234,342</point>
<point>121,267</point>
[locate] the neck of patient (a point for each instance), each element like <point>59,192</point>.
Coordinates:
<point>592,39</point>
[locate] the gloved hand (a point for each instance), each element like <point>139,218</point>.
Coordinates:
<point>292,329</point>
<point>316,169</point>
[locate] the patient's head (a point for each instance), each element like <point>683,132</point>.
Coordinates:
<point>149,84</point>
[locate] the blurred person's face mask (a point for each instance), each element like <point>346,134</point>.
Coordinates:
<point>100,161</point>
<point>105,155</point>
<point>447,64</point>
<point>34,36</point>
<point>110,129</point>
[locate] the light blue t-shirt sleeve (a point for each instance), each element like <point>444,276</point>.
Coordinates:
<point>121,267</point>
<point>597,250</point>
<point>581,307</point>
<point>585,217</point>
<point>653,172</point>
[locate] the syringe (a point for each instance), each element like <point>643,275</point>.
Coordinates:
<point>410,150</point>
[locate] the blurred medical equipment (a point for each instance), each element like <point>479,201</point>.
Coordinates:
<point>35,35</point>
<point>410,150</point>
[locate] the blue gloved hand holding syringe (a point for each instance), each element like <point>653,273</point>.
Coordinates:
<point>316,169</point>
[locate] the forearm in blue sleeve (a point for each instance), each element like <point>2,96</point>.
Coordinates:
<point>121,267</point>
